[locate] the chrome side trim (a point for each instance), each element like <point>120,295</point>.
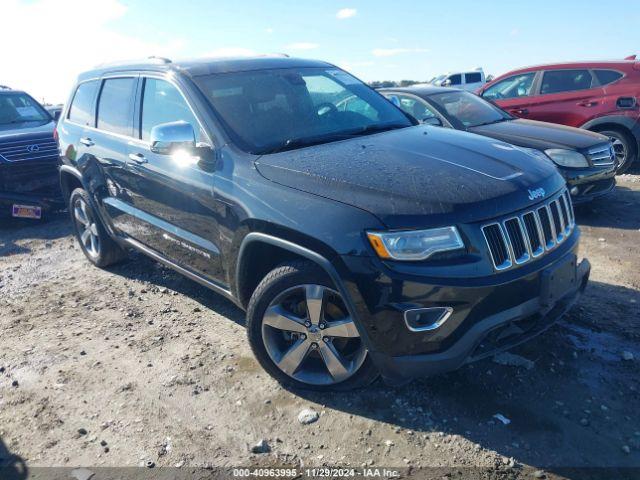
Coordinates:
<point>435,325</point>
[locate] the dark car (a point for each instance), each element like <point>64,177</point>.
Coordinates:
<point>600,96</point>
<point>585,159</point>
<point>29,158</point>
<point>357,241</point>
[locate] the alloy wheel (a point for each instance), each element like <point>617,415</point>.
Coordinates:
<point>87,227</point>
<point>620,148</point>
<point>310,336</point>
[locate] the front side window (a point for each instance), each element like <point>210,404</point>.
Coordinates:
<point>455,79</point>
<point>16,108</point>
<point>464,109</point>
<point>415,107</point>
<point>512,87</point>
<point>281,109</point>
<point>605,77</point>
<point>163,103</point>
<point>557,81</point>
<point>114,105</point>
<point>473,77</point>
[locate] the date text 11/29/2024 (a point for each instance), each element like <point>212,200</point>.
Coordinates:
<point>322,472</point>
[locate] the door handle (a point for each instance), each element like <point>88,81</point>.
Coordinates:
<point>87,142</point>
<point>587,103</point>
<point>520,111</point>
<point>138,158</point>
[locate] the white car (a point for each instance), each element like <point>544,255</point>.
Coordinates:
<point>465,80</point>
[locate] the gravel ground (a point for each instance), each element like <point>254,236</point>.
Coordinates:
<point>137,364</point>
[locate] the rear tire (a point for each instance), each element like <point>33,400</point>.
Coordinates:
<point>624,146</point>
<point>298,349</point>
<point>95,242</point>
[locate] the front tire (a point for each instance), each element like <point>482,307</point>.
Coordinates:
<point>624,147</point>
<point>302,334</point>
<point>95,242</point>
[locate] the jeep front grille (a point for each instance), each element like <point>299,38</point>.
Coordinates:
<point>602,155</point>
<point>520,238</point>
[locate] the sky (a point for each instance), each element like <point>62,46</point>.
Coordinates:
<point>46,43</point>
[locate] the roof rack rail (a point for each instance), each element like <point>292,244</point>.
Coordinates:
<point>159,59</point>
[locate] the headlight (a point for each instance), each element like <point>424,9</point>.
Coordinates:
<point>567,158</point>
<point>415,244</point>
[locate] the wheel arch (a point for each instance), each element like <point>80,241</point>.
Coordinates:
<point>70,179</point>
<point>628,125</point>
<point>255,246</point>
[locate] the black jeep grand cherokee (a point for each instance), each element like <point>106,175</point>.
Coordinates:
<point>358,242</point>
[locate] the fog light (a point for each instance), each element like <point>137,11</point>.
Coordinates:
<point>574,190</point>
<point>426,319</point>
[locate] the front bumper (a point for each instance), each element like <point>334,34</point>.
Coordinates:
<point>47,203</point>
<point>494,334</point>
<point>591,183</point>
<point>490,314</point>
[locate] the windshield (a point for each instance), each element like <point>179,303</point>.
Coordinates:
<point>21,108</point>
<point>464,109</point>
<point>266,111</point>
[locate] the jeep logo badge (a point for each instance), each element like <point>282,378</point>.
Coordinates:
<point>33,148</point>
<point>537,193</point>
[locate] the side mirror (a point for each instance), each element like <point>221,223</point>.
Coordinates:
<point>435,121</point>
<point>56,115</point>
<point>446,83</point>
<point>167,138</point>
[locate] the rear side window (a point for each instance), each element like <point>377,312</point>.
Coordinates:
<point>605,77</point>
<point>163,103</point>
<point>556,81</point>
<point>114,105</point>
<point>455,79</point>
<point>473,77</point>
<point>81,109</point>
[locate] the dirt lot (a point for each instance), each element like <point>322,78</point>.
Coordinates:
<point>136,364</point>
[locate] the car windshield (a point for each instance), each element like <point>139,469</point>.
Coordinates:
<point>464,109</point>
<point>20,108</point>
<point>268,111</point>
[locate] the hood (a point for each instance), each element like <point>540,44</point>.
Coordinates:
<point>540,135</point>
<point>417,176</point>
<point>14,130</point>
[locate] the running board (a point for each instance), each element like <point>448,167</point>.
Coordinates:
<point>186,272</point>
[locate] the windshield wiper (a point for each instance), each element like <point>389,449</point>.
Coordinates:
<point>499,120</point>
<point>376,128</point>
<point>299,142</point>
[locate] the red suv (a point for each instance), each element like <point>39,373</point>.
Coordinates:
<point>598,96</point>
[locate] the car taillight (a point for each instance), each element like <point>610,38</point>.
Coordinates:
<point>55,133</point>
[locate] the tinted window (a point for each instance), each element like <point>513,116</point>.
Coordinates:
<point>114,106</point>
<point>607,76</point>
<point>464,109</point>
<point>512,87</point>
<point>81,110</point>
<point>473,77</point>
<point>557,81</point>
<point>163,103</point>
<point>282,109</point>
<point>455,79</point>
<point>18,108</point>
